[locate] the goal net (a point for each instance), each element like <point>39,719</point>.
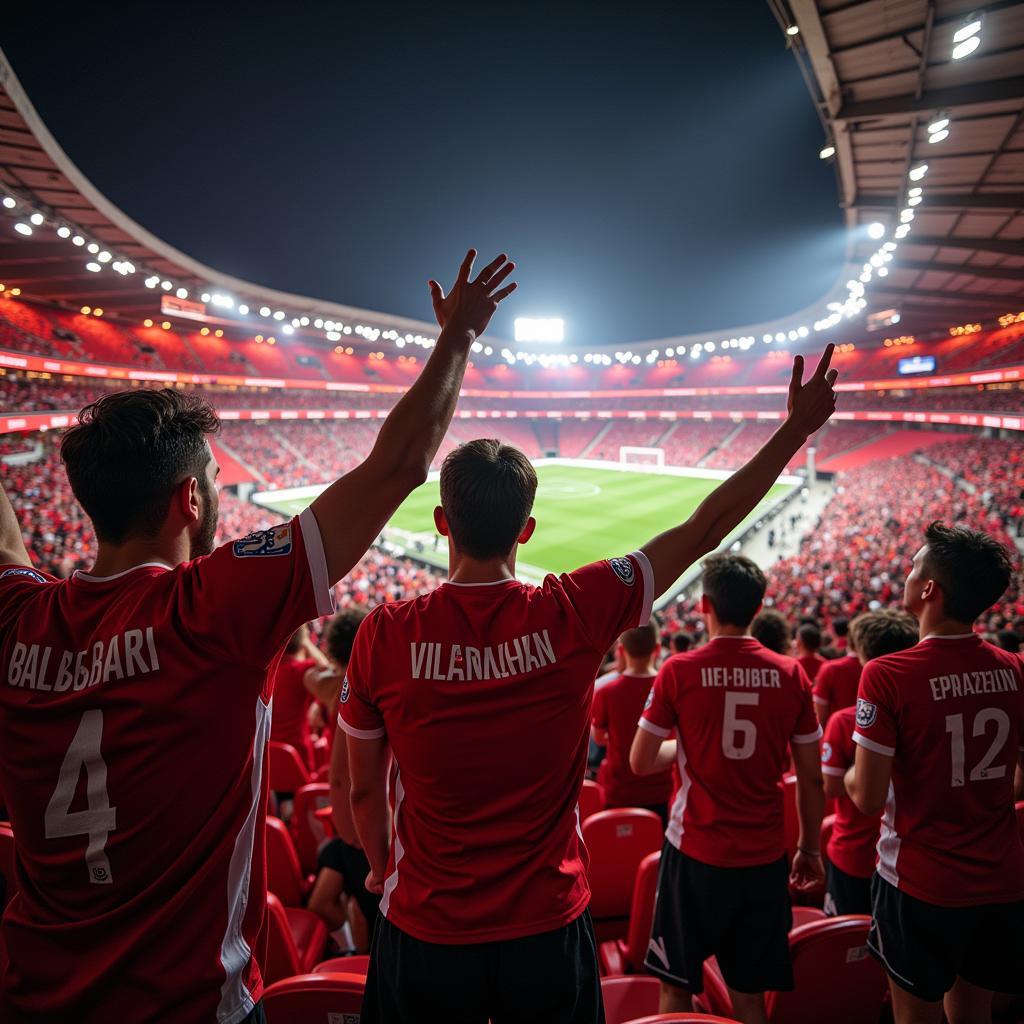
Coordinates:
<point>632,456</point>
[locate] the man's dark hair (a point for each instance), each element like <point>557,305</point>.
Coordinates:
<point>487,492</point>
<point>681,642</point>
<point>972,569</point>
<point>809,636</point>
<point>642,641</point>
<point>884,632</point>
<point>128,453</point>
<point>771,629</point>
<point>841,626</point>
<point>341,634</point>
<point>735,587</point>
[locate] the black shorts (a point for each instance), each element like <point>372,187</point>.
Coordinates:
<point>925,948</point>
<point>846,894</point>
<point>740,915</point>
<point>351,863</point>
<point>551,978</point>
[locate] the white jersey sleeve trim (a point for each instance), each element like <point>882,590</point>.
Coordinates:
<point>314,544</point>
<point>870,744</point>
<point>819,700</point>
<point>360,734</point>
<point>827,769</point>
<point>649,726</point>
<point>807,737</point>
<point>647,573</point>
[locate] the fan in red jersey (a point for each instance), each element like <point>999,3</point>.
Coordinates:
<point>851,846</point>
<point>835,686</point>
<point>729,715</point>
<point>808,643</point>
<point>291,698</point>
<point>482,692</point>
<point>939,729</point>
<point>617,706</point>
<point>142,890</point>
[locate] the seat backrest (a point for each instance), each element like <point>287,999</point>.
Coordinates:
<point>618,841</point>
<point>641,912</point>
<point>314,999</point>
<point>357,964</point>
<point>591,799</point>
<point>282,956</point>
<point>10,882</point>
<point>836,978</point>
<point>307,830</point>
<point>287,772</point>
<point>628,996</point>
<point>790,821</point>
<point>284,873</point>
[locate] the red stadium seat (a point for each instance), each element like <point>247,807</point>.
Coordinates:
<point>296,940</point>
<point>625,956</point>
<point>314,999</point>
<point>836,978</point>
<point>7,863</point>
<point>618,840</point>
<point>626,998</point>
<point>805,915</point>
<point>287,771</point>
<point>284,873</point>
<point>307,829</point>
<point>683,1018</point>
<point>321,752</point>
<point>591,799</point>
<point>1020,817</point>
<point>323,815</point>
<point>358,964</point>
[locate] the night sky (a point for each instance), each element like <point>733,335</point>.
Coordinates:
<point>652,167</point>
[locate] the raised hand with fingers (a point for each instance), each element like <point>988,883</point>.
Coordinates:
<point>811,404</point>
<point>471,304</point>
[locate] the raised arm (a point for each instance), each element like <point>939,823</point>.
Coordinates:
<point>12,544</point>
<point>810,405</point>
<point>354,509</point>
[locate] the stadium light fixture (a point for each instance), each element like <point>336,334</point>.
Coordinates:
<point>23,229</point>
<point>918,172</point>
<point>941,122</point>
<point>279,315</point>
<point>548,329</point>
<point>939,136</point>
<point>78,240</point>
<point>93,248</point>
<point>10,202</point>
<point>63,231</point>
<point>264,311</point>
<point>182,293</point>
<point>288,329</point>
<point>243,310</point>
<point>876,229</point>
<point>914,201</point>
<point>826,152</point>
<point>916,191</point>
<point>883,271</point>
<point>792,30</point>
<point>970,27</point>
<point>902,231</point>
<point>38,219</point>
<point>95,268</point>
<point>103,256</point>
<point>906,216</point>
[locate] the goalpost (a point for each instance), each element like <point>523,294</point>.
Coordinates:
<point>630,455</point>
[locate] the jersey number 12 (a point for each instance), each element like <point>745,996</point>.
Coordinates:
<point>100,819</point>
<point>983,769</point>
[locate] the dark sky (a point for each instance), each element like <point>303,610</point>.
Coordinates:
<point>651,166</point>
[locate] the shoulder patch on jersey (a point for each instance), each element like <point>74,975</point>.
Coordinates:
<point>866,713</point>
<point>344,691</point>
<point>22,570</point>
<point>623,568</point>
<point>826,753</point>
<point>275,541</point>
<point>650,699</point>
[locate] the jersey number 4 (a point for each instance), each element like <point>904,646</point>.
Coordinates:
<point>983,769</point>
<point>100,819</point>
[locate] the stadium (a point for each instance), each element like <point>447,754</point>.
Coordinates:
<point>921,107</point>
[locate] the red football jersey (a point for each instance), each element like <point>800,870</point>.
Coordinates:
<point>484,693</point>
<point>851,846</point>
<point>950,712</point>
<point>291,707</point>
<point>617,706</point>
<point>734,707</point>
<point>836,683</point>
<point>135,711</point>
<point>812,664</point>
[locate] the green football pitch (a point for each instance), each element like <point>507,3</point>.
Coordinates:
<point>583,514</point>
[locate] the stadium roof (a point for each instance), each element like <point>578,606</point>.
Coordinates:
<point>882,74</point>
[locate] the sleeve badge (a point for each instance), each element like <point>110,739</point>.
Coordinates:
<point>623,568</point>
<point>866,713</point>
<point>275,541</point>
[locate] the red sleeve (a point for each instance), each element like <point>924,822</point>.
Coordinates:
<point>807,729</point>
<point>599,712</point>
<point>611,596</point>
<point>659,714</point>
<point>822,689</point>
<point>876,711</point>
<point>250,595</point>
<point>358,714</point>
<point>834,756</point>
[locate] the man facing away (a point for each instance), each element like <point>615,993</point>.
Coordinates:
<point>808,644</point>
<point>728,715</point>
<point>939,729</point>
<point>851,846</point>
<point>617,706</point>
<point>835,686</point>
<point>482,691</point>
<point>135,699</point>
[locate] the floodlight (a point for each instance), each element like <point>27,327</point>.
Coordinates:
<point>940,136</point>
<point>918,172</point>
<point>942,121</point>
<point>23,229</point>
<point>876,230</point>
<point>826,151</point>
<point>37,219</point>
<point>971,27</point>
<point>792,30</point>
<point>550,329</point>
<point>966,48</point>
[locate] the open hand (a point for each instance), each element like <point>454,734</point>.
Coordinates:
<point>808,872</point>
<point>811,404</point>
<point>471,304</point>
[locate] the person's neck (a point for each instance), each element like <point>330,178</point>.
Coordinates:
<point>465,570</point>
<point>716,629</point>
<point>639,667</point>
<point>112,559</point>
<point>939,625</point>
